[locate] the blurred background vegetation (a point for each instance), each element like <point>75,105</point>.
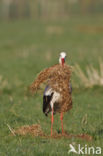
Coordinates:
<point>47,9</point>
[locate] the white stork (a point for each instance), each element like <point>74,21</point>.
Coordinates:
<point>51,97</point>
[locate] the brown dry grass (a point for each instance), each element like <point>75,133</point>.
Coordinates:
<point>69,136</point>
<point>54,30</point>
<point>58,77</point>
<point>36,130</point>
<point>92,77</point>
<point>90,29</point>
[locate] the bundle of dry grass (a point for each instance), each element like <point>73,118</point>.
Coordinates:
<point>92,77</point>
<point>34,130</point>
<point>58,77</point>
<point>69,136</point>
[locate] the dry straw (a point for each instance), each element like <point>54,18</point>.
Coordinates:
<point>58,77</point>
<point>34,130</point>
<point>92,77</point>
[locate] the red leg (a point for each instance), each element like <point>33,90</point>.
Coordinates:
<point>61,118</point>
<point>52,119</point>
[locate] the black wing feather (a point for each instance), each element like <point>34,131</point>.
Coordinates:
<point>46,104</point>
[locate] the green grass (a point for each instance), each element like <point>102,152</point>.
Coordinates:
<point>26,47</point>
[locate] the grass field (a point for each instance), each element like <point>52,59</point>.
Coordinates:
<point>26,47</point>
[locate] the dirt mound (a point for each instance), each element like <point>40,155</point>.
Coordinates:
<point>36,130</point>
<point>69,136</point>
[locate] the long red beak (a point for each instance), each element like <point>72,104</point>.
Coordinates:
<point>63,61</point>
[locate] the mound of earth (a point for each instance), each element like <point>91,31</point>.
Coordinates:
<point>36,130</point>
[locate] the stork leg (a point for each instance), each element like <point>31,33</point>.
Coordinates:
<point>52,120</point>
<point>61,118</point>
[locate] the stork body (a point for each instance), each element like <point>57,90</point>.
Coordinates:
<point>51,98</point>
<point>57,94</point>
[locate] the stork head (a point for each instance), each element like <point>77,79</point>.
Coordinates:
<point>62,58</point>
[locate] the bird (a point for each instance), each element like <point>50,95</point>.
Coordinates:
<point>57,96</point>
<point>51,97</point>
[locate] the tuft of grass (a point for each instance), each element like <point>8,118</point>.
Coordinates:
<point>3,83</point>
<point>92,77</point>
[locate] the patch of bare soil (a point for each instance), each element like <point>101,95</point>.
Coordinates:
<point>69,136</point>
<point>36,130</point>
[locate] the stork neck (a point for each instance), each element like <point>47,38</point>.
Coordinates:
<point>62,61</point>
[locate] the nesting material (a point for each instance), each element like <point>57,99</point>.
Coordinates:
<point>34,130</point>
<point>58,78</point>
<point>70,136</point>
